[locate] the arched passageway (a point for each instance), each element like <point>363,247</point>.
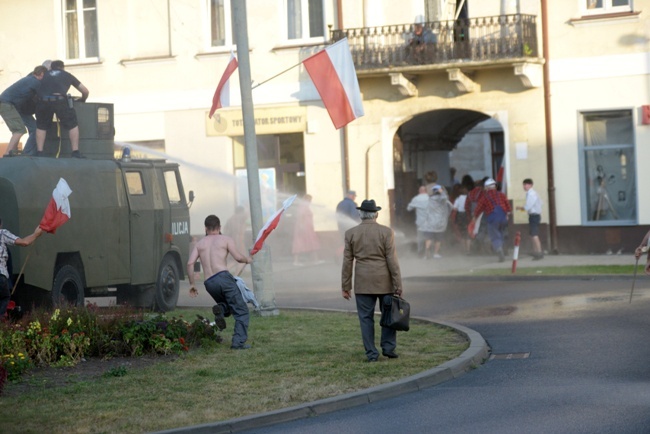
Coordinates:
<point>435,141</point>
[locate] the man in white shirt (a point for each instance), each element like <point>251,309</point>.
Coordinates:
<point>420,204</point>
<point>533,207</point>
<point>9,239</point>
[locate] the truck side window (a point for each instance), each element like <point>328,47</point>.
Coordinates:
<point>134,183</point>
<point>173,193</point>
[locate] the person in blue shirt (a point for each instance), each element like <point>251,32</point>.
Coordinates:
<point>15,104</point>
<point>347,215</point>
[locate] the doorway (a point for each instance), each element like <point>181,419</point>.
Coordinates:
<point>436,141</point>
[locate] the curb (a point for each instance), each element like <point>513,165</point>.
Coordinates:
<point>514,278</point>
<point>472,357</point>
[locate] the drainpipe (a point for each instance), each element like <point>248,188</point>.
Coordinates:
<point>368,168</point>
<point>169,29</point>
<point>339,13</point>
<point>549,132</point>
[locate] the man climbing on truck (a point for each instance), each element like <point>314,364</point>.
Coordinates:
<point>53,98</point>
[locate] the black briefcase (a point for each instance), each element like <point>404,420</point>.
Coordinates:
<point>396,313</point>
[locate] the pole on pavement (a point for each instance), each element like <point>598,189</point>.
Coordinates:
<point>515,252</point>
<point>636,264</point>
<point>261,267</point>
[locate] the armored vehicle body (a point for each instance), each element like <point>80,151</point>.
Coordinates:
<point>129,231</point>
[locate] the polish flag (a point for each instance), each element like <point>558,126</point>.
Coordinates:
<point>501,176</point>
<point>221,96</point>
<point>58,210</point>
<point>271,224</point>
<point>333,74</point>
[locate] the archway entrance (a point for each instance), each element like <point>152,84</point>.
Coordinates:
<point>435,141</point>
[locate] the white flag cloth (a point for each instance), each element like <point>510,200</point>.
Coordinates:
<point>271,224</point>
<point>58,209</point>
<point>221,96</point>
<point>332,71</point>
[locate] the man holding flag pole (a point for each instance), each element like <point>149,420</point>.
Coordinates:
<point>9,239</point>
<point>221,285</point>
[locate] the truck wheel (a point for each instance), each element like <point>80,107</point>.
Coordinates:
<point>166,295</point>
<point>68,287</point>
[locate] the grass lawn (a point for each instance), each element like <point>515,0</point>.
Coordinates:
<point>296,357</point>
<point>585,270</point>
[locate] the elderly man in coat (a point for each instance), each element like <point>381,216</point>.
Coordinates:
<point>370,248</point>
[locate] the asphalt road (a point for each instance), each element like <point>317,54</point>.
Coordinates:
<point>578,356</point>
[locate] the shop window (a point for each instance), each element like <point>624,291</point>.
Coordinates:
<point>596,7</point>
<point>305,19</point>
<point>221,26</point>
<point>80,20</point>
<point>608,161</point>
<point>284,153</point>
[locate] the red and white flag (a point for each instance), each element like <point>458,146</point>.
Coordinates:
<point>501,176</point>
<point>221,96</point>
<point>58,210</point>
<point>333,74</point>
<point>271,224</point>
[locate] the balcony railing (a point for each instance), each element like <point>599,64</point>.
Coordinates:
<point>442,42</point>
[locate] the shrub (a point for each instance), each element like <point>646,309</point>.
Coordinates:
<point>67,335</point>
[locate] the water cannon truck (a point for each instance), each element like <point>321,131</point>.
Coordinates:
<point>129,231</point>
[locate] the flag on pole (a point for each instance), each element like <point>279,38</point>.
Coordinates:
<point>58,210</point>
<point>221,96</point>
<point>501,176</point>
<point>271,224</point>
<point>333,74</point>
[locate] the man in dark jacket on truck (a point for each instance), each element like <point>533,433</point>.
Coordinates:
<point>53,99</point>
<point>14,103</point>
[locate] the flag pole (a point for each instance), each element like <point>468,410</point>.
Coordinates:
<point>636,264</point>
<point>287,70</point>
<point>261,268</point>
<point>276,75</point>
<point>22,270</point>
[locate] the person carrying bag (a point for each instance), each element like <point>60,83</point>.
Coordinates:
<point>395,313</point>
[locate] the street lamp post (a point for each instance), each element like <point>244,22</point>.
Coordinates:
<point>261,268</point>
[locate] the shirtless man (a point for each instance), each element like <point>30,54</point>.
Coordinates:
<point>213,251</point>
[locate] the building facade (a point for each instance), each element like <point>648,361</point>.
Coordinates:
<point>445,83</point>
<point>598,67</point>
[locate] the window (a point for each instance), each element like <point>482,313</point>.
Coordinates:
<point>105,128</point>
<point>595,7</point>
<point>221,25</point>
<point>305,19</point>
<point>134,183</point>
<point>80,26</point>
<point>608,161</point>
<point>171,183</point>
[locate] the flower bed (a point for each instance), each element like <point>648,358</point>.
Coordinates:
<point>68,335</point>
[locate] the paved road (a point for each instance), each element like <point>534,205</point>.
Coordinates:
<point>585,368</point>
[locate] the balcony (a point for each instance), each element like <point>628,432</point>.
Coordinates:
<point>473,43</point>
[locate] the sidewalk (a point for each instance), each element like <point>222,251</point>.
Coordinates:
<point>456,265</point>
